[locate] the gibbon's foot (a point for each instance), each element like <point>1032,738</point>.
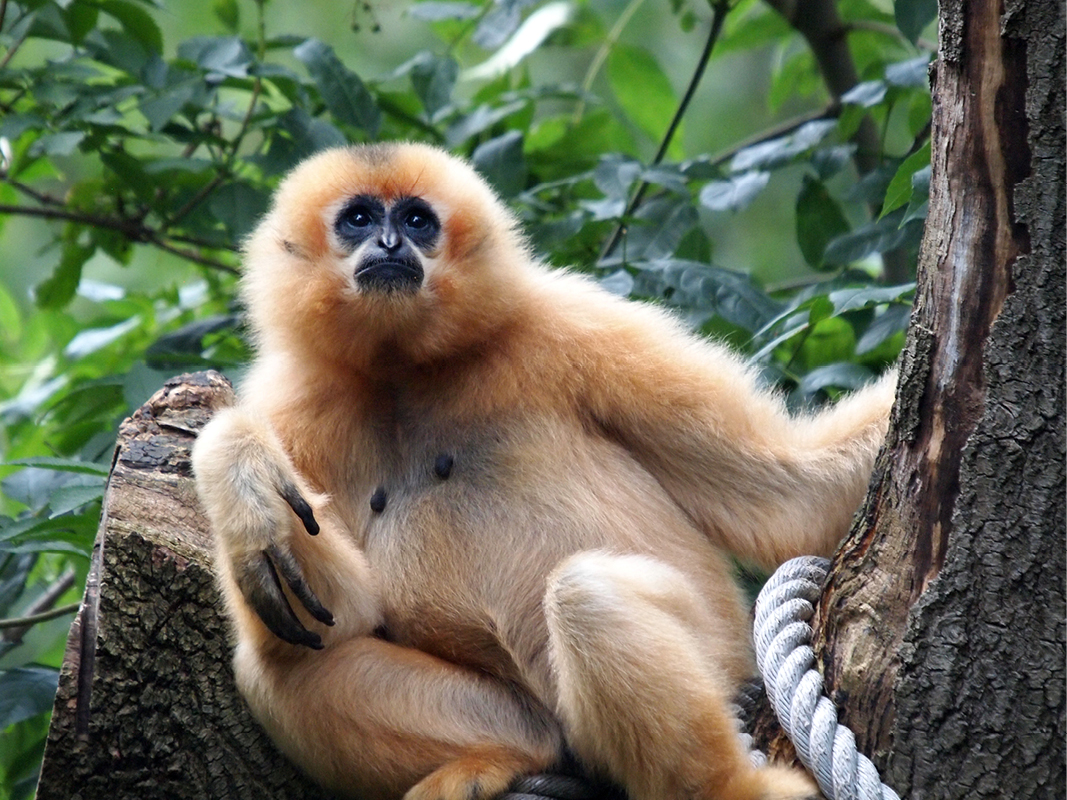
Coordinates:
<point>257,578</point>
<point>480,775</point>
<point>785,783</point>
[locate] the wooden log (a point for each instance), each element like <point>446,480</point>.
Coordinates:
<point>147,706</point>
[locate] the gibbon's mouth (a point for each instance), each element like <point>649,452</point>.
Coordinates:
<point>390,276</point>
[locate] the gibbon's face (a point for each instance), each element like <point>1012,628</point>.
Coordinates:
<point>382,252</point>
<point>388,242</point>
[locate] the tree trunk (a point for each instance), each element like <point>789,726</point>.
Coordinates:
<point>940,632</point>
<point>147,706</point>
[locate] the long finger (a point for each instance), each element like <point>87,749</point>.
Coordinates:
<point>300,507</point>
<point>294,578</point>
<point>260,586</point>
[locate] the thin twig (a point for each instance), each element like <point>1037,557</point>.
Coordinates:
<point>720,9</point>
<point>602,55</point>
<point>225,170</point>
<point>32,619</point>
<point>195,257</point>
<point>16,628</point>
<point>14,45</point>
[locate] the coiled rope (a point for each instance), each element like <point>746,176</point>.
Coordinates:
<point>785,660</point>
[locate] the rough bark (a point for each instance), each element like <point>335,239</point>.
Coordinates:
<point>940,632</point>
<point>147,706</point>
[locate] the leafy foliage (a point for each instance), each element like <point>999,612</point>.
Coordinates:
<point>158,159</point>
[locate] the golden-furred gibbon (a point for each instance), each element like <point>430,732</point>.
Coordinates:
<point>474,514</point>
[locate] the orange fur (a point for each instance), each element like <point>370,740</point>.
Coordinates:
<point>567,584</point>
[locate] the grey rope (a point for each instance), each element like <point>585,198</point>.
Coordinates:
<point>795,689</point>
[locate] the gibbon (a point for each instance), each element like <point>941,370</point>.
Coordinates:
<point>473,514</point>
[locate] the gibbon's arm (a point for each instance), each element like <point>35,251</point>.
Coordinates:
<point>276,539</point>
<point>764,485</point>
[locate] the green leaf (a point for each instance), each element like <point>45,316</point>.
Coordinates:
<point>667,220</point>
<point>820,308</point>
<point>137,22</point>
<point>911,74</point>
<point>615,175</point>
<point>68,498</point>
<point>746,31</point>
<point>853,298</point>
<point>341,89</point>
<point>10,319</point>
<point>58,144</point>
<point>80,18</point>
<point>58,290</point>
<point>500,161</point>
<point>877,237</point>
<point>920,196</point>
<point>866,94</point>
<point>433,79</point>
<point>238,206</point>
<point>841,375</point>
<point>61,465</point>
<point>480,119</point>
<point>912,16</point>
<point>644,92</point>
<point>119,49</point>
<point>227,13</point>
<point>900,189</point>
<point>735,193</point>
<point>26,692</point>
<point>890,322</point>
<point>776,152</point>
<point>160,108</point>
<point>819,221</point>
<point>499,23</point>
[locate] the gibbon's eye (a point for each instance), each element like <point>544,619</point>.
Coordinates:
<point>357,216</point>
<point>416,220</point>
<point>421,224</point>
<point>358,220</point>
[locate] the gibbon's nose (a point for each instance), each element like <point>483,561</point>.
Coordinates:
<point>390,239</point>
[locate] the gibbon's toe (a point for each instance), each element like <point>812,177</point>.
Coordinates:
<point>784,783</point>
<point>480,775</point>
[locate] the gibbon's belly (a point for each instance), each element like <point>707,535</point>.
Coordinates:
<point>463,533</point>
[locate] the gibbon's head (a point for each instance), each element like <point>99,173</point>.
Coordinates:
<point>383,252</point>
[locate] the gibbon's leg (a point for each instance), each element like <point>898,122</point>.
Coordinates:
<point>639,693</point>
<point>367,718</point>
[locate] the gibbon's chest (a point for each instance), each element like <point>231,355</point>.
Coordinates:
<point>463,522</point>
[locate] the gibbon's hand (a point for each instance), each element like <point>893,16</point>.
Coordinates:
<point>258,580</point>
<point>248,486</point>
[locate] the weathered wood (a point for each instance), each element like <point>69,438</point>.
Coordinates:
<point>147,706</point>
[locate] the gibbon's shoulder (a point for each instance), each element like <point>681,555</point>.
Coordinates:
<point>580,303</point>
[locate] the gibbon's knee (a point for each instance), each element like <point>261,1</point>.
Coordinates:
<point>641,692</point>
<point>631,674</point>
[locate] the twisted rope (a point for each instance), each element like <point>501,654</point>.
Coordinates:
<point>795,689</point>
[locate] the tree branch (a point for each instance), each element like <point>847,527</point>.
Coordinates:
<point>133,231</point>
<point>720,9</point>
<point>32,619</point>
<point>40,609</point>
